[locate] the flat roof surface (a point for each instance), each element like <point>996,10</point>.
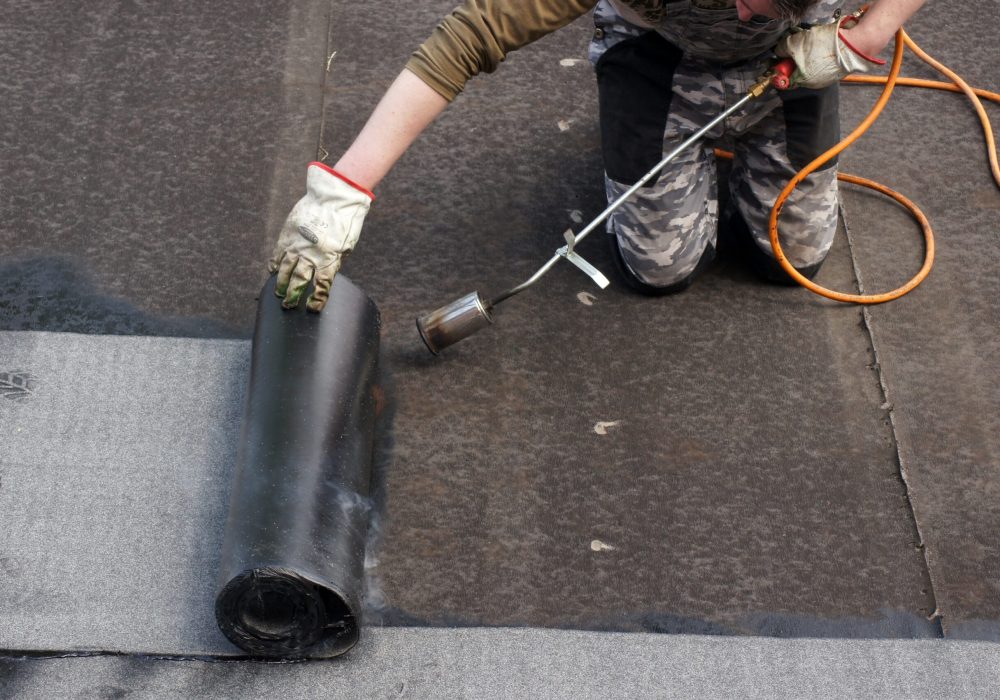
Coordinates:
<point>739,461</point>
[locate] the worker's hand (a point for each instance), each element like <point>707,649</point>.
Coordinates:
<point>823,56</point>
<point>321,230</point>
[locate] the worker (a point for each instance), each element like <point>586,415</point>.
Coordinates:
<point>664,69</point>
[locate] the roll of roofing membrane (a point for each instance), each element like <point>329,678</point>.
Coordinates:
<point>293,555</point>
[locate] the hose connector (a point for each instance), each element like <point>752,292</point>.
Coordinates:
<point>761,86</point>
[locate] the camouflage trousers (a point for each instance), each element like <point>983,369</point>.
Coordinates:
<point>653,94</point>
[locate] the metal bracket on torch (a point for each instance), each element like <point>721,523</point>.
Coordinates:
<point>567,252</point>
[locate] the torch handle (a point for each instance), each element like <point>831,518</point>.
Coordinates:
<point>782,78</point>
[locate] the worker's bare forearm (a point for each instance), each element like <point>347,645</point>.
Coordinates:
<point>875,30</point>
<point>405,110</point>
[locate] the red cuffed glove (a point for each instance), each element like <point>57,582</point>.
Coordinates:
<point>822,56</point>
<point>319,233</point>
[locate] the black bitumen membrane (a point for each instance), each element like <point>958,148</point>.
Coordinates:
<point>939,349</point>
<point>738,459</point>
<point>142,144</point>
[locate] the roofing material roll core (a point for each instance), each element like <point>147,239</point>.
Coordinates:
<point>293,555</point>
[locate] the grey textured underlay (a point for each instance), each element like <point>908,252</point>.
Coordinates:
<point>114,486</point>
<point>513,663</point>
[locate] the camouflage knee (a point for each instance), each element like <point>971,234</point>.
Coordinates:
<point>769,155</point>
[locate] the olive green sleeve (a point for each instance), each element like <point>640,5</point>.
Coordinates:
<point>478,35</point>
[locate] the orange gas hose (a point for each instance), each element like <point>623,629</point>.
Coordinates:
<point>893,79</point>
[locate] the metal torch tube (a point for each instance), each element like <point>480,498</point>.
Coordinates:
<point>691,140</point>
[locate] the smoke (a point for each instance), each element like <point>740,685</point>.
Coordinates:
<point>374,601</point>
<point>373,597</point>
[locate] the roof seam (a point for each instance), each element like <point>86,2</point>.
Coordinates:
<point>936,615</point>
<point>321,153</point>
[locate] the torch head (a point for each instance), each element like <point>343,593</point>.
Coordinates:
<point>455,321</point>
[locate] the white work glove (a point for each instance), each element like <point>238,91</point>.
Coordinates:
<point>321,230</point>
<point>822,56</point>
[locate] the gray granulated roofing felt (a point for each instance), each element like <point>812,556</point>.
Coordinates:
<point>512,663</point>
<point>114,483</point>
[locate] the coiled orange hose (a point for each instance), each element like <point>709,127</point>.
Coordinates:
<point>893,79</point>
